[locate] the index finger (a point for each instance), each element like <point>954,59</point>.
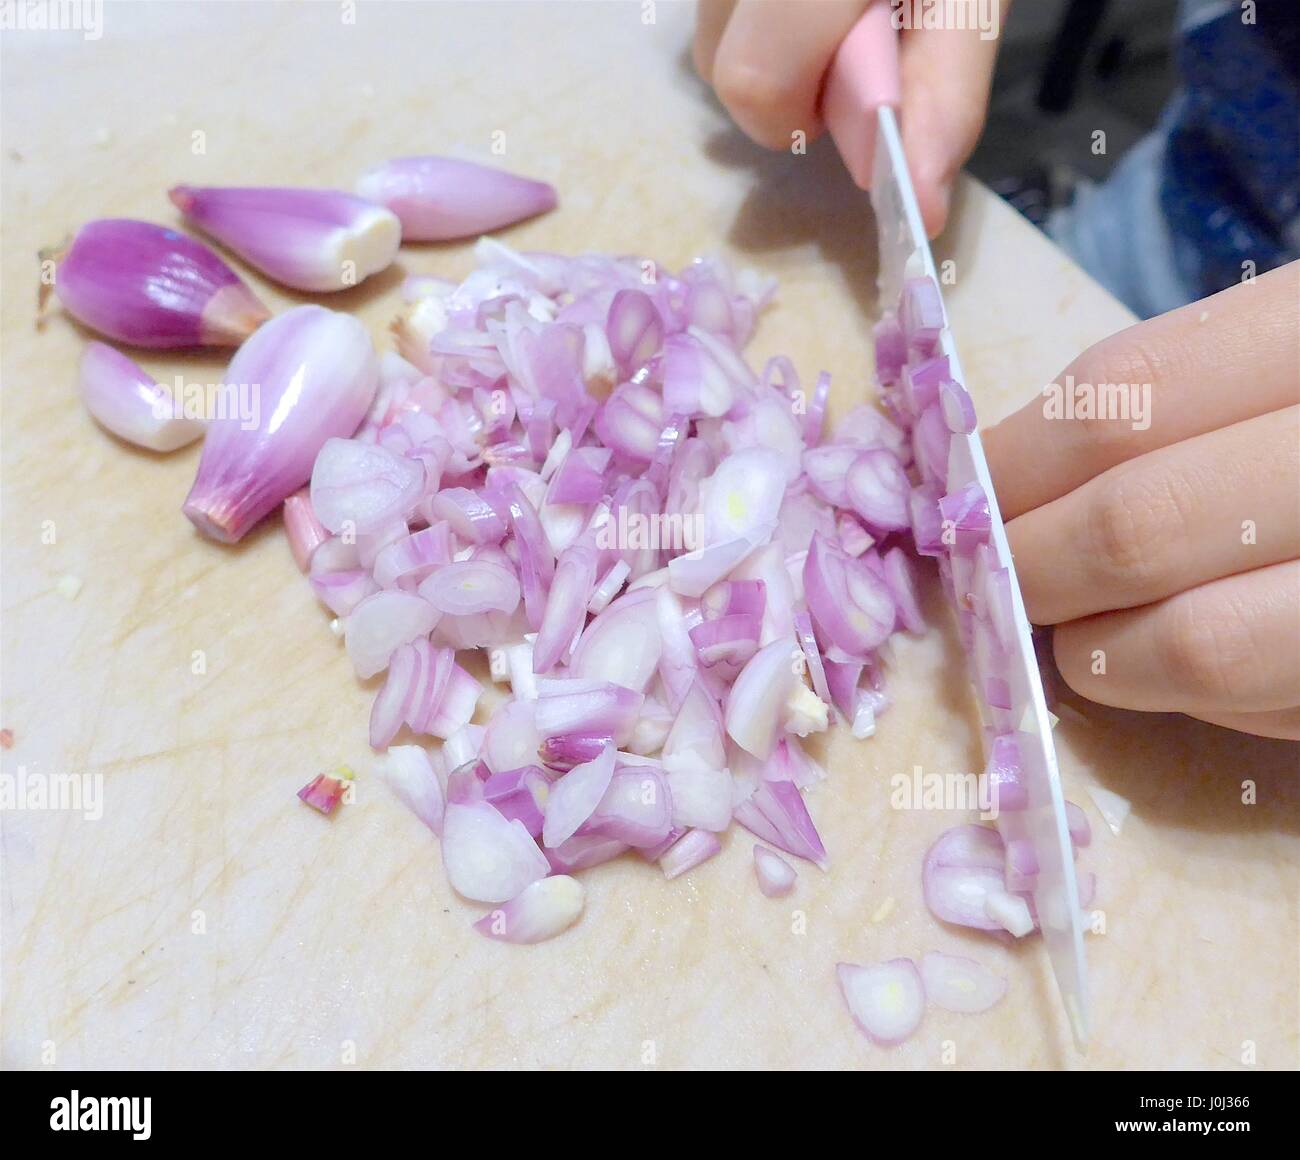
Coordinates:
<point>1207,365</point>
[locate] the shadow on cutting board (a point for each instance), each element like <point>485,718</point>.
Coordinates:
<point>795,200</point>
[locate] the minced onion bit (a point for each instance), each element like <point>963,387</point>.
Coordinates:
<point>776,877</point>
<point>323,793</point>
<point>572,467</point>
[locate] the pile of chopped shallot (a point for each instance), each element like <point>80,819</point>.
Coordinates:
<point>670,568</point>
<point>676,572</point>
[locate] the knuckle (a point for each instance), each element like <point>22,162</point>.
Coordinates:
<point>757,97</point>
<point>1130,358</point>
<point>1132,523</point>
<point>1205,653</point>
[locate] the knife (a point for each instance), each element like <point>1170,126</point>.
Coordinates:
<point>860,103</point>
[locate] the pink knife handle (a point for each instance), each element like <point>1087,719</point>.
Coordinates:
<point>863,77</point>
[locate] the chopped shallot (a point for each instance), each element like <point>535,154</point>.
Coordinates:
<point>887,1001</point>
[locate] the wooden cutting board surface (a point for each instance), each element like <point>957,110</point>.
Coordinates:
<point>208,919</point>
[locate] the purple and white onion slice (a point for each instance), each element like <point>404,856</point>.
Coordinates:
<point>960,984</point>
<point>887,1001</point>
<point>540,911</point>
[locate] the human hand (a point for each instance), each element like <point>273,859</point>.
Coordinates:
<point>1166,549</point>
<point>767,60</point>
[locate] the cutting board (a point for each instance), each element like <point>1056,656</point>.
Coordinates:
<point>207,918</point>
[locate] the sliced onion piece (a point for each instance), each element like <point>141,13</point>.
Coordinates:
<point>962,870</point>
<point>511,740</point>
<point>734,598</point>
<point>776,812</point>
<point>360,486</point>
<point>519,795</point>
<point>850,605</point>
<point>695,382</point>
<point>886,1001</point>
<point>566,750</point>
<point>827,469</point>
<point>634,329</point>
<point>414,556</point>
<point>631,420</point>
<point>469,515</point>
<point>960,984</point>
<point>464,744</point>
<point>921,382</point>
<point>608,586</point>
<point>469,587</point>
<point>958,409</point>
<point>566,606</point>
<point>574,798</point>
<point>695,572</point>
<point>727,642</point>
<point>878,489</point>
<point>743,496</point>
<point>536,562</point>
<point>812,655</point>
<point>757,702</point>
<point>410,773</point>
<point>920,312</point>
<point>487,858</point>
<point>583,851</point>
<point>776,877</point>
<point>815,415</point>
<point>637,807</point>
<point>927,522</point>
<point>966,519</point>
<point>381,623</point>
<point>341,592</point>
<point>689,851</point>
<point>583,706</point>
<point>931,442</point>
<point>540,911</point>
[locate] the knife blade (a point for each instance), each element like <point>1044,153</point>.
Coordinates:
<point>861,97</point>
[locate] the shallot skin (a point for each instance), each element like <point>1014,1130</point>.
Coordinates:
<point>441,198</point>
<point>150,286</point>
